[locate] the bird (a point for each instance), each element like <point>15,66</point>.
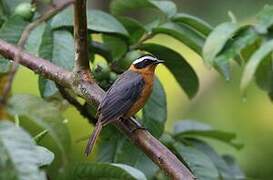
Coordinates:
<point>126,96</point>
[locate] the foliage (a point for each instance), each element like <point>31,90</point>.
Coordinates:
<point>249,45</point>
<point>124,39</point>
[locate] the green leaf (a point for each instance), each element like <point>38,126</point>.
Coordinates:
<point>12,29</point>
<point>182,33</point>
<point>195,23</point>
<point>35,39</point>
<point>121,6</point>
<point>128,153</point>
<point>10,5</point>
<point>104,171</point>
<point>11,32</point>
<point>244,38</point>
<point>45,156</point>
<point>254,62</point>
<point>154,113</point>
<point>264,19</point>
<point>218,161</point>
<point>187,128</point>
<point>134,28</point>
<point>98,21</point>
<point>233,167</point>
<point>43,114</point>
<point>264,74</point>
<point>217,40</point>
<point>58,47</point>
<point>199,163</point>
<point>115,45</point>
<point>19,158</point>
<point>178,66</point>
<point>114,147</point>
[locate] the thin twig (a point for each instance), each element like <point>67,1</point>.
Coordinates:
<point>22,41</point>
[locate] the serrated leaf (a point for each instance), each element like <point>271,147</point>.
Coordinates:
<point>198,24</point>
<point>116,46</point>
<point>187,128</point>
<point>58,47</point>
<point>178,66</point>
<point>233,167</point>
<point>254,62</point>
<point>121,6</point>
<point>45,156</point>
<point>19,158</point>
<point>154,113</point>
<point>217,40</point>
<point>97,21</point>
<point>104,171</point>
<point>134,28</point>
<point>264,19</point>
<point>43,114</point>
<point>218,161</point>
<point>182,33</point>
<point>198,162</point>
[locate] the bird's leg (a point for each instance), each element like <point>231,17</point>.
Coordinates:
<point>133,123</point>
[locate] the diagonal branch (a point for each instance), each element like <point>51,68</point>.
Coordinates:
<point>93,94</point>
<point>22,41</point>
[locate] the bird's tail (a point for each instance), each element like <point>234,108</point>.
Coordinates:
<point>93,138</point>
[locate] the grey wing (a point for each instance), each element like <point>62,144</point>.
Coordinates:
<point>121,96</point>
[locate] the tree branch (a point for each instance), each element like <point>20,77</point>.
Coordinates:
<point>22,41</point>
<point>84,86</point>
<point>81,36</point>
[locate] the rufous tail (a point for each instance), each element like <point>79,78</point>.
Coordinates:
<point>93,138</point>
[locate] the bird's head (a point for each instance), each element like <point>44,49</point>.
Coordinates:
<point>145,63</point>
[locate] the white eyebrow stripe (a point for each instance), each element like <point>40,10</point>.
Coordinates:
<point>144,57</point>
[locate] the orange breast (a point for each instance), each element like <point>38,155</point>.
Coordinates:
<point>148,77</point>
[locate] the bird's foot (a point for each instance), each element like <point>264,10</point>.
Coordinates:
<point>133,124</point>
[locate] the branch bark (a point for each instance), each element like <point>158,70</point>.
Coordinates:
<point>92,93</point>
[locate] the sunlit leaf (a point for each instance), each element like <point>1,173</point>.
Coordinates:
<point>98,21</point>
<point>104,171</point>
<point>265,19</point>
<point>200,164</point>
<point>10,5</point>
<point>44,155</point>
<point>43,114</point>
<point>178,66</point>
<point>254,62</point>
<point>217,40</point>
<point>198,24</point>
<point>182,33</point>
<point>122,6</point>
<point>187,128</point>
<point>155,110</point>
<point>19,158</point>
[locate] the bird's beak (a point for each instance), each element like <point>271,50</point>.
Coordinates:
<point>159,61</point>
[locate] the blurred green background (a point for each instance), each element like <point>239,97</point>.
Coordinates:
<point>218,102</point>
